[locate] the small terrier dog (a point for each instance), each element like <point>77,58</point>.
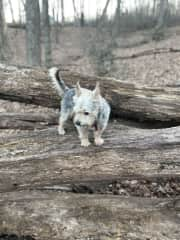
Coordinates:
<point>88,109</point>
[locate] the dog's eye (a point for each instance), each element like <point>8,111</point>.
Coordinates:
<point>86,113</point>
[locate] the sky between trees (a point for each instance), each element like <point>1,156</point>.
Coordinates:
<point>91,7</point>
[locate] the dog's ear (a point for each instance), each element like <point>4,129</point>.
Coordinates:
<point>96,91</point>
<point>78,89</point>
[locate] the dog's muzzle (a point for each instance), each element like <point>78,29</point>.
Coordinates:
<point>94,126</point>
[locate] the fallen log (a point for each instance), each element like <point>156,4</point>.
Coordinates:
<point>27,121</point>
<point>148,52</point>
<point>42,158</point>
<point>127,100</point>
<point>68,216</point>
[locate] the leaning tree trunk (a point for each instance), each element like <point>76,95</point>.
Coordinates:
<point>104,10</point>
<point>33,33</point>
<point>46,32</point>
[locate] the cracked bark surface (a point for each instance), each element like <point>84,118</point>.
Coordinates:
<point>49,215</point>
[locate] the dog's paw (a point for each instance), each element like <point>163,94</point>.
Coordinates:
<point>99,141</point>
<point>85,143</point>
<point>61,131</point>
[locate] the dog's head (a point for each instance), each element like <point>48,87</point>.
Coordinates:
<point>86,107</point>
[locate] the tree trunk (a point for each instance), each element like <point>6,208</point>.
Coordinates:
<point>57,24</point>
<point>104,11</point>
<point>3,35</point>
<point>154,8</point>
<point>75,11</point>
<point>62,12</point>
<point>11,9</point>
<point>163,10</point>
<point>82,17</point>
<point>23,3</point>
<point>19,10</point>
<point>33,32</point>
<point>46,33</point>
<point>160,105</point>
<point>117,18</point>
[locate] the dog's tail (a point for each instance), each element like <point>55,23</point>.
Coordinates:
<point>57,80</point>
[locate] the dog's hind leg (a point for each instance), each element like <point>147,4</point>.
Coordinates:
<point>62,119</point>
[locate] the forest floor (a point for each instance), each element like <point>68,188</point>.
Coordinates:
<point>73,51</point>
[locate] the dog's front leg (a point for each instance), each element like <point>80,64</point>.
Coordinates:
<point>97,137</point>
<point>83,135</point>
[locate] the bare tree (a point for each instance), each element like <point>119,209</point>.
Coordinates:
<point>163,10</point>
<point>154,7</point>
<point>162,16</point>
<point>23,9</point>
<point>82,21</point>
<point>19,10</point>
<point>33,43</point>
<point>76,16</point>
<point>55,10</point>
<point>23,3</point>
<point>46,32</point>
<point>3,35</point>
<point>104,10</point>
<point>11,9</point>
<point>62,12</point>
<point>57,23</point>
<point>117,17</point>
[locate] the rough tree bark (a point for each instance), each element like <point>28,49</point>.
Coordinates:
<point>53,215</point>
<point>42,159</point>
<point>33,32</point>
<point>46,33</point>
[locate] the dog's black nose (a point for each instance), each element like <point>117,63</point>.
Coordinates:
<point>77,123</point>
